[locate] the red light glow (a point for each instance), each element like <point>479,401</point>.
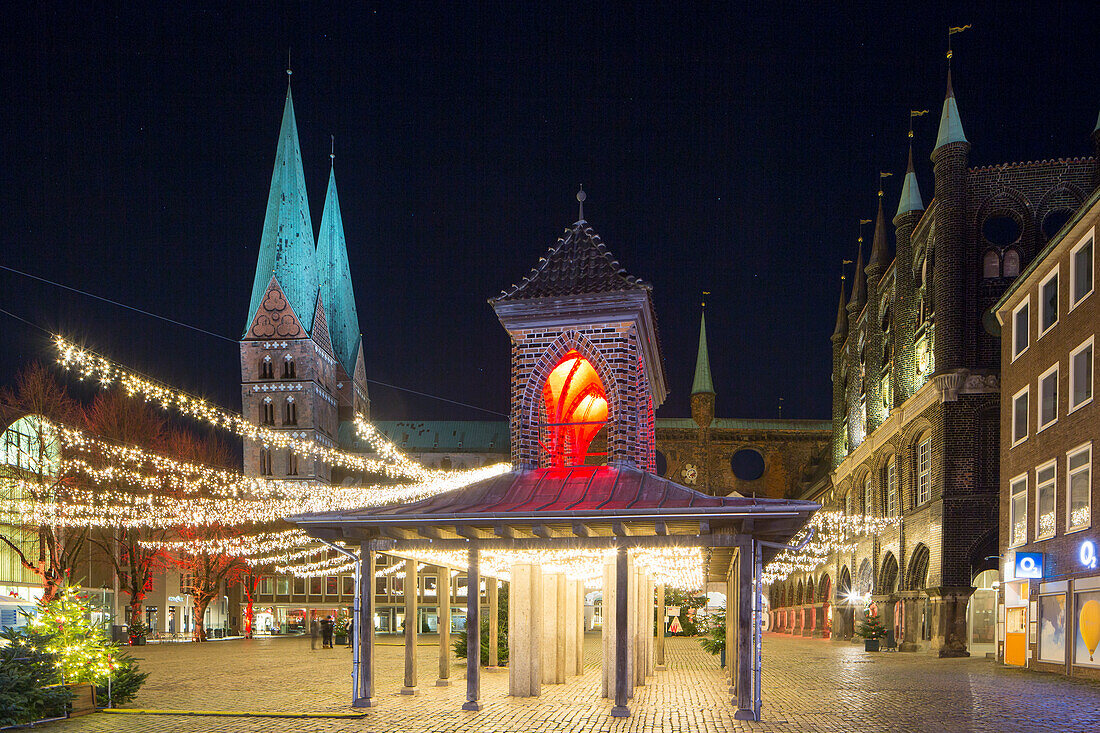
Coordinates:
<point>576,409</point>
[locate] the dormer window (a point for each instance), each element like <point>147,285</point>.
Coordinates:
<point>267,371</point>
<point>288,367</point>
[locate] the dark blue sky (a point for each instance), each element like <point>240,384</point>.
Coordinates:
<point>723,149</point>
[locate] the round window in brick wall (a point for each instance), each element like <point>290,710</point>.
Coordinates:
<point>747,464</point>
<point>1001,230</point>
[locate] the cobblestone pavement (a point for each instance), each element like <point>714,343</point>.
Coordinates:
<point>809,685</point>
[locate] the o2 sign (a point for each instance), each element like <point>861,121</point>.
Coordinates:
<point>1086,553</point>
<point>1029,565</point>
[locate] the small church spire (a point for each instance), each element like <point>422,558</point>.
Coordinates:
<point>859,289</point>
<point>581,196</point>
<point>951,129</point>
<point>880,256</point>
<point>910,191</point>
<point>841,329</point>
<point>703,382</point>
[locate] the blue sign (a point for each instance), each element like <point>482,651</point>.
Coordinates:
<point>1087,554</point>
<point>1029,565</point>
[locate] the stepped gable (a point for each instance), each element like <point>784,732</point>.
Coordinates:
<point>578,264</point>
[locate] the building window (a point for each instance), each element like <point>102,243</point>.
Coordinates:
<point>884,389</point>
<point>291,463</point>
<point>868,504</point>
<point>892,488</point>
<point>1048,302</point>
<point>1019,416</point>
<point>991,265</point>
<point>290,412</point>
<point>1012,263</point>
<point>1045,501</point>
<point>332,585</point>
<point>266,370</point>
<point>924,470</point>
<point>282,586</point>
<point>267,412</point>
<point>848,504</point>
<point>288,367</point>
<point>1020,319</point>
<point>315,586</point>
<point>1079,488</point>
<point>1048,398</point>
<point>1080,273</point>
<point>349,585</point>
<point>299,586</point>
<point>1080,375</point>
<point>267,585</point>
<point>265,461</point>
<point>1018,510</point>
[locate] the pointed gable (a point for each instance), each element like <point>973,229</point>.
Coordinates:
<point>320,332</point>
<point>335,280</point>
<point>578,264</point>
<point>275,317</point>
<point>286,246</point>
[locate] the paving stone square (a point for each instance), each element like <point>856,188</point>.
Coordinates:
<point>808,685</point>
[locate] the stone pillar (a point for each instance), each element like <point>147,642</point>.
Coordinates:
<point>473,631</point>
<point>819,620</point>
<point>647,617</point>
<point>911,607</point>
<point>494,624</point>
<point>660,667</point>
<point>807,620</point>
<point>744,652</point>
<point>885,610</point>
<point>638,596</point>
<point>579,626</point>
<point>411,591</point>
<point>572,650</point>
<point>949,634</point>
<point>443,591</point>
<point>623,634</point>
<point>525,631</point>
<point>364,627</point>
<point>553,629</point>
<point>616,591</point>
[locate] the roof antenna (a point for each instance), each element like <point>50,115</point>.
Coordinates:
<point>580,201</point>
<point>288,71</point>
<point>332,150</point>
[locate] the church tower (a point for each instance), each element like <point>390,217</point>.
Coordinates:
<point>702,388</point>
<point>291,378</point>
<point>586,362</point>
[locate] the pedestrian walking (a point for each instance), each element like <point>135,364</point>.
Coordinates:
<point>349,630</point>
<point>314,633</point>
<point>326,632</point>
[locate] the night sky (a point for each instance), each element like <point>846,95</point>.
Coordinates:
<point>721,150</point>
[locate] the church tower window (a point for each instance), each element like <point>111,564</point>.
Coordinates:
<point>267,412</point>
<point>267,371</point>
<point>291,463</point>
<point>288,367</point>
<point>290,412</point>
<point>265,461</point>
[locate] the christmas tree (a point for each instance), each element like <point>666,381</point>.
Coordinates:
<point>871,627</point>
<point>63,630</point>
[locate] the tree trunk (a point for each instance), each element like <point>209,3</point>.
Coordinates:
<point>200,617</point>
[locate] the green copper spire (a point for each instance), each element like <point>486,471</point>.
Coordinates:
<point>910,191</point>
<point>951,128</point>
<point>287,250</point>
<point>335,277</point>
<point>703,382</point>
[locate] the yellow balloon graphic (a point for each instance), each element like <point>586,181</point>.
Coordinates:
<point>1088,623</point>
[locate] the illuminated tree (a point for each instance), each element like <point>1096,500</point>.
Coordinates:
<point>62,628</point>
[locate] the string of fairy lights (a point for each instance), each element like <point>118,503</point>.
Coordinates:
<point>834,532</point>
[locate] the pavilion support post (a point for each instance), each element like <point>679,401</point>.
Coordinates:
<point>647,618</point>
<point>638,596</point>
<point>443,588</point>
<point>661,628</point>
<point>573,588</point>
<point>731,625</point>
<point>744,581</point>
<point>364,627</point>
<point>525,631</point>
<point>553,628</point>
<point>473,631</point>
<point>492,586</point>
<point>412,588</point>
<point>622,633</point>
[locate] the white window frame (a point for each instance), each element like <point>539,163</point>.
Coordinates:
<point>868,497</point>
<point>1086,344</point>
<point>1025,303</point>
<point>892,487</point>
<point>924,475</point>
<point>1090,237</point>
<point>1042,303</point>
<point>1026,391</point>
<point>1083,448</point>
<point>1052,463</point>
<point>1039,425</point>
<point>1012,493</point>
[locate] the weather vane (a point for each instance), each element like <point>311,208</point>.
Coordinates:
<point>581,196</point>
<point>950,32</point>
<point>915,113</point>
<point>882,176</point>
<point>705,294</point>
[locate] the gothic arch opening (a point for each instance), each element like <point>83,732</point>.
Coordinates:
<point>575,409</point>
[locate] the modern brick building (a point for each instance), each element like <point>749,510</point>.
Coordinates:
<point>917,397</point>
<point>1048,320</point>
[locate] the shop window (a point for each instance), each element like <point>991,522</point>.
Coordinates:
<point>1048,303</point>
<point>1048,398</point>
<point>1080,375</point>
<point>1045,500</point>
<point>1020,325</point>
<point>1080,274</point>
<point>1052,628</point>
<point>1011,263</point>
<point>1018,510</point>
<point>1086,606</point>
<point>924,470</point>
<point>267,371</point>
<point>315,586</point>
<point>1079,488</point>
<point>1019,416</point>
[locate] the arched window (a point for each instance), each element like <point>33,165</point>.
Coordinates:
<point>868,498</point>
<point>575,409</point>
<point>288,367</point>
<point>1012,263</point>
<point>923,472</point>
<point>290,412</point>
<point>848,503</point>
<point>267,371</point>
<point>265,461</point>
<point>267,412</point>
<point>291,463</point>
<point>991,265</point>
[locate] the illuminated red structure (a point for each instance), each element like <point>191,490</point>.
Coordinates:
<point>576,409</point>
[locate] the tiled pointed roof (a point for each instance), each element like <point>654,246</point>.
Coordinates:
<point>287,248</point>
<point>577,264</point>
<point>910,191</point>
<point>859,289</point>
<point>880,250</point>
<point>703,381</point>
<point>335,277</point>
<point>951,128</point>
<point>841,329</point>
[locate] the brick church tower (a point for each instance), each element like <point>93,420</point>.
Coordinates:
<point>586,362</point>
<point>301,353</point>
